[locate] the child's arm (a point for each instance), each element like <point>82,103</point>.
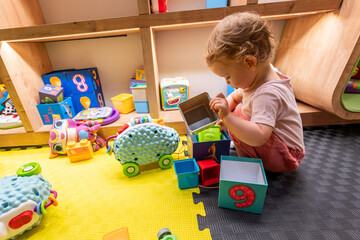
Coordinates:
<point>253,134</point>
<point>234,99</point>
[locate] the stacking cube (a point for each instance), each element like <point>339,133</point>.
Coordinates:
<point>51,94</point>
<point>210,149</point>
<point>140,98</point>
<point>209,172</point>
<point>59,79</point>
<point>187,172</point>
<point>134,82</point>
<point>140,75</point>
<point>243,184</point>
<point>64,109</point>
<point>124,103</point>
<point>83,86</point>
<point>86,89</point>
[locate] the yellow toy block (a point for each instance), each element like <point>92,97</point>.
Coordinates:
<point>119,234</point>
<point>140,75</point>
<point>78,151</point>
<point>182,150</point>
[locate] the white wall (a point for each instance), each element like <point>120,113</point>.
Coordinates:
<point>180,52</point>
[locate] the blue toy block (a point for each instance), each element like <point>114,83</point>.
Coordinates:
<point>210,149</point>
<point>58,78</point>
<point>87,100</point>
<point>134,82</point>
<point>64,109</point>
<point>216,3</point>
<point>51,94</point>
<point>141,106</point>
<point>84,80</point>
<point>243,184</point>
<point>187,172</point>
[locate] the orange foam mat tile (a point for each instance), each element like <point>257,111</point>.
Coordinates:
<point>95,198</point>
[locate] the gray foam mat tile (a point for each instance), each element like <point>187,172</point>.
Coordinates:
<point>319,200</point>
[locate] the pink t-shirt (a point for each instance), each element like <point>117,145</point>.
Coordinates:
<point>274,104</point>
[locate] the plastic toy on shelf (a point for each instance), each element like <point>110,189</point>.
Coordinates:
<point>8,115</point>
<point>144,141</point>
<point>103,115</point>
<point>66,130</point>
<point>24,199</point>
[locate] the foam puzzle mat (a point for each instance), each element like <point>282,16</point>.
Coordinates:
<point>95,198</point>
<point>319,200</point>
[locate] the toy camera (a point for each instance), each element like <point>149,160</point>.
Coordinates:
<point>143,141</point>
<point>24,200</point>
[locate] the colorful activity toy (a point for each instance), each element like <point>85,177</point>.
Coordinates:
<point>65,131</point>
<point>243,184</point>
<point>143,141</point>
<point>103,115</point>
<point>51,94</point>
<point>197,114</point>
<point>165,234</point>
<point>24,199</point>
<point>124,103</point>
<point>173,91</point>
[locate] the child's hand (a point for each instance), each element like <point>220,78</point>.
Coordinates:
<point>220,105</point>
<point>221,123</point>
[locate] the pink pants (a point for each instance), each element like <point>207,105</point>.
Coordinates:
<point>275,155</point>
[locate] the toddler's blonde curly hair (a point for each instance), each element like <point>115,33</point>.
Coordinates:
<point>238,35</point>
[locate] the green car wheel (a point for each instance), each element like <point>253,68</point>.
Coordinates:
<point>166,161</point>
<point>29,169</point>
<point>130,169</point>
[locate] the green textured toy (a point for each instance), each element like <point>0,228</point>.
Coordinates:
<point>210,134</point>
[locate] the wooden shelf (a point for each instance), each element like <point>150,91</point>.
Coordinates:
<point>19,137</point>
<point>163,21</point>
<point>24,57</point>
<point>319,52</point>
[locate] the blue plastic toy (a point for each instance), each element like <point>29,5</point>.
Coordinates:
<point>143,141</point>
<point>24,200</point>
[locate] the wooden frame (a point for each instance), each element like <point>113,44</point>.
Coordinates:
<point>24,57</point>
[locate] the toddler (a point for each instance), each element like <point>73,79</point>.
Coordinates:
<point>261,115</point>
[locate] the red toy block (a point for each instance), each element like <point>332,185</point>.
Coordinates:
<point>209,172</point>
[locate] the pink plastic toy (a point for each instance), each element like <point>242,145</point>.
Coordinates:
<point>66,130</point>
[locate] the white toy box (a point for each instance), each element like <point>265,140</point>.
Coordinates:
<point>173,91</point>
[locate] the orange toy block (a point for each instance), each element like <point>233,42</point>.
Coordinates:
<point>118,234</point>
<point>78,151</point>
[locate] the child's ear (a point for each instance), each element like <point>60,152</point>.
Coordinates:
<point>250,61</point>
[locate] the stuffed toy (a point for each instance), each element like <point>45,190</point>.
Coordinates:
<point>66,130</point>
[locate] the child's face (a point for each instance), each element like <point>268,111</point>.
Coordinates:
<point>238,74</point>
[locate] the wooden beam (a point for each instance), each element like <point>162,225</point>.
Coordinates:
<point>20,13</point>
<point>277,10</point>
<point>151,70</point>
<point>24,63</point>
<point>319,52</point>
<point>14,96</point>
<point>143,7</point>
